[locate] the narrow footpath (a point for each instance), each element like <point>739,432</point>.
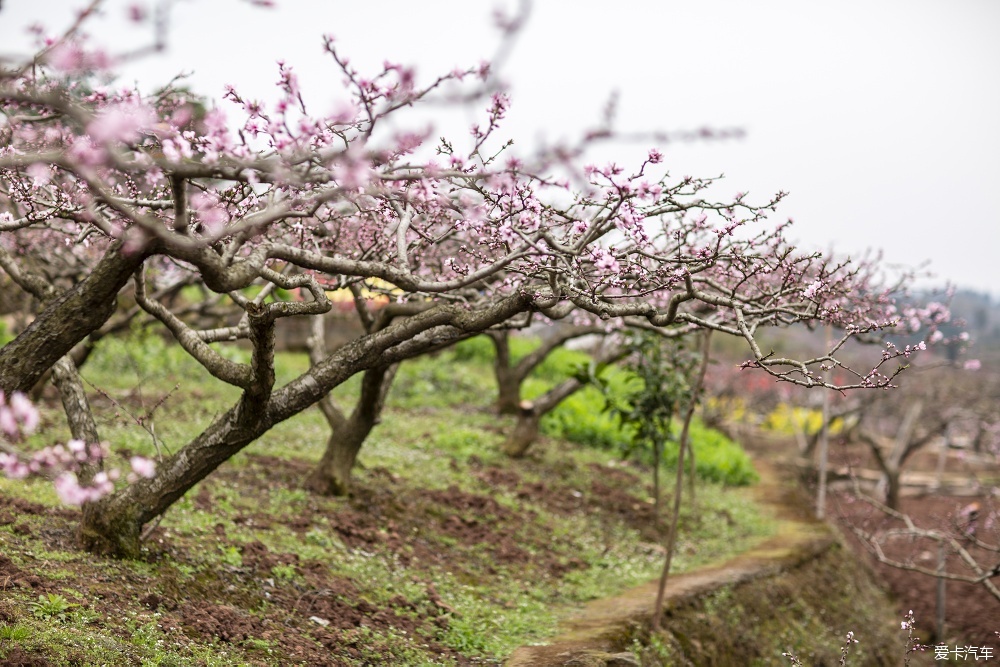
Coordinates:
<point>594,636</point>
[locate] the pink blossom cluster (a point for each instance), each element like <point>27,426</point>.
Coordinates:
<point>347,198</point>
<point>447,224</point>
<point>19,417</point>
<point>891,351</point>
<point>71,58</point>
<point>813,289</point>
<point>933,314</point>
<point>65,463</point>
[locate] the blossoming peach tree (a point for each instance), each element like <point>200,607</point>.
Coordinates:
<point>144,191</point>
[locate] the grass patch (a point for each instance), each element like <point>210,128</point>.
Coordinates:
<point>446,551</point>
<point>583,419</point>
<point>807,610</point>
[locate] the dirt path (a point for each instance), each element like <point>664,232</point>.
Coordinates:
<point>593,635</point>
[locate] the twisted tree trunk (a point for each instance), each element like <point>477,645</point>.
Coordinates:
<point>530,413</point>
<point>332,476</point>
<point>511,376</point>
<point>65,320</point>
<point>114,524</point>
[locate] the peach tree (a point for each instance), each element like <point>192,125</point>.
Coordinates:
<point>109,197</point>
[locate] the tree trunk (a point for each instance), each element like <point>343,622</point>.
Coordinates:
<point>685,446</point>
<point>530,413</point>
<point>332,476</point>
<point>508,380</point>
<point>510,376</point>
<point>524,434</point>
<point>692,474</point>
<point>893,488</point>
<point>109,530</point>
<point>657,457</point>
<point>113,525</point>
<point>508,393</point>
<point>65,321</point>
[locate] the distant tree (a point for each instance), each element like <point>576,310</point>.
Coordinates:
<point>348,432</point>
<point>943,405</point>
<point>510,375</point>
<point>530,412</point>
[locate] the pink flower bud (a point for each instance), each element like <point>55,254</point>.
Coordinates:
<point>142,466</point>
<point>24,412</point>
<point>7,422</point>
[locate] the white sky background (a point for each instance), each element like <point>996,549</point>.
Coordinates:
<point>880,117</point>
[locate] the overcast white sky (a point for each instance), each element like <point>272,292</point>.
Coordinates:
<point>880,117</point>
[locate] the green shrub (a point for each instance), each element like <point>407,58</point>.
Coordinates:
<point>583,419</point>
<point>464,374</point>
<point>717,458</point>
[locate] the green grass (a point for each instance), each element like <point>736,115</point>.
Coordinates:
<point>807,610</point>
<point>438,436</point>
<point>583,419</point>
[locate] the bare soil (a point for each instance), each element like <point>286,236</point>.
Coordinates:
<point>243,602</point>
<point>972,614</point>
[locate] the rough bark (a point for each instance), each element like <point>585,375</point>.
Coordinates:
<point>77,408</point>
<point>511,376</point>
<point>332,476</point>
<point>114,524</point>
<point>65,371</point>
<point>66,320</point>
<point>530,413</point>
<point>115,325</point>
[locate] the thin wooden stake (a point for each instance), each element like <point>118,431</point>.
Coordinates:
<point>679,484</point>
<point>824,436</point>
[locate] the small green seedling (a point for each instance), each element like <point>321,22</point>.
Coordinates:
<point>51,605</point>
<point>14,632</point>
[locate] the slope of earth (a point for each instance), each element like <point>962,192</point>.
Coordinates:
<point>936,491</point>
<point>938,487</point>
<point>446,553</point>
<point>799,592</point>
